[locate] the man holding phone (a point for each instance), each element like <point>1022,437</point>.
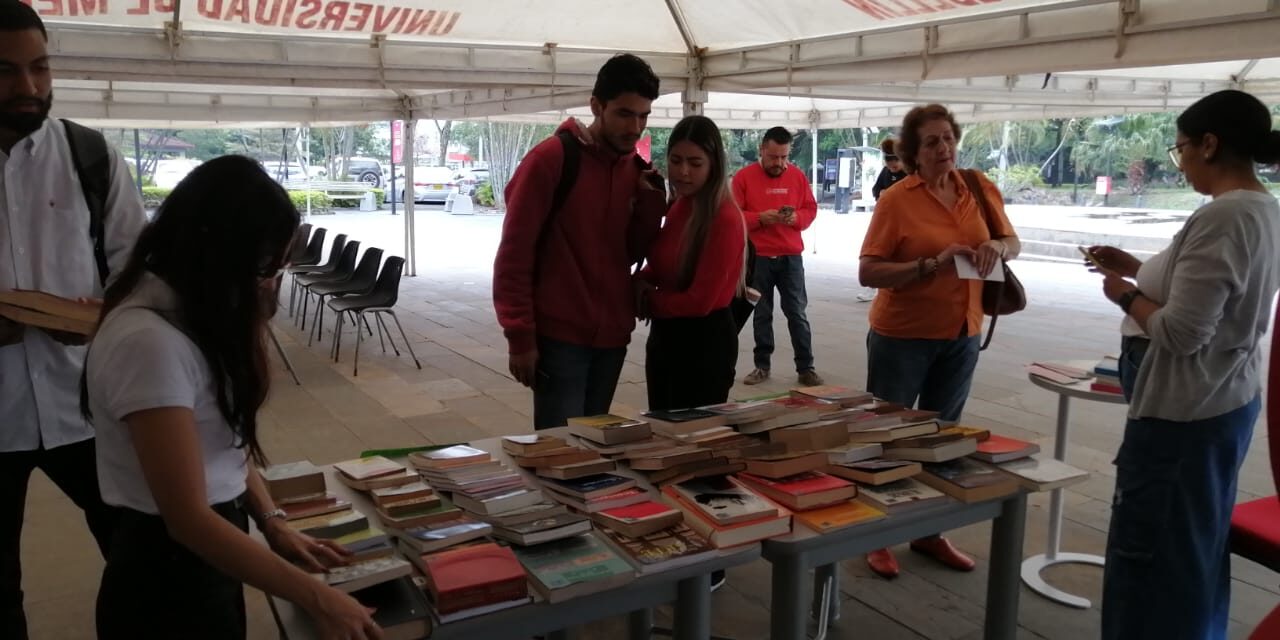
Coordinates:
<point>582,209</point>
<point>778,204</point>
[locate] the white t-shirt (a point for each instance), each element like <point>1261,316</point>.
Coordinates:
<point>139,360</point>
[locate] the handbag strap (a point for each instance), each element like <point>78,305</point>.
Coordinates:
<point>970,178</point>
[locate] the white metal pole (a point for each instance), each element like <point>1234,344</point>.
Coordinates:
<point>407,157</point>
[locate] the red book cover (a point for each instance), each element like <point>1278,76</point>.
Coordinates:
<point>1106,388</point>
<point>805,402</point>
<point>1000,444</point>
<point>801,483</point>
<point>465,577</point>
<point>637,511</point>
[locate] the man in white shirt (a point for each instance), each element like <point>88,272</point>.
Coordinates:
<point>46,244</point>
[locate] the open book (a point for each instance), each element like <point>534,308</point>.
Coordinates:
<point>47,311</point>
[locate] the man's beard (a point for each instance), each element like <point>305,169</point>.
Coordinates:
<point>24,122</point>
<point>775,171</point>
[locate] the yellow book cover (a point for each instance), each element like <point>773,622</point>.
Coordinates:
<point>838,516</point>
<point>605,421</point>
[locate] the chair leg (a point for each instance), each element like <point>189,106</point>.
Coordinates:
<point>284,356</point>
<point>405,338</point>
<point>306,298</point>
<point>293,291</point>
<point>313,335</point>
<point>366,327</point>
<point>337,331</point>
<point>355,361</point>
<point>382,327</point>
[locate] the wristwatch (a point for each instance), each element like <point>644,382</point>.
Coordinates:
<point>1127,298</point>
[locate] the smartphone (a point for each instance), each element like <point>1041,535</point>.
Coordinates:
<point>1091,258</point>
<point>787,211</point>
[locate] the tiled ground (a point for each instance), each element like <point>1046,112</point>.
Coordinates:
<point>462,392</point>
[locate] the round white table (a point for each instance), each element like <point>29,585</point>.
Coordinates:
<point>1034,565</point>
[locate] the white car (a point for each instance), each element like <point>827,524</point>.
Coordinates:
<point>431,184</point>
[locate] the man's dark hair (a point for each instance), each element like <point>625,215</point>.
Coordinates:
<point>777,135</point>
<point>625,73</point>
<point>19,16</point>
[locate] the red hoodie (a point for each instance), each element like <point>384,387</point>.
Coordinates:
<point>582,293</point>
<point>757,191</point>
<point>717,273</point>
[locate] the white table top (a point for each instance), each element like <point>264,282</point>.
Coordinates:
<point>1078,389</point>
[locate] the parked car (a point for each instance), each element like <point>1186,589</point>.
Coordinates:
<point>469,179</point>
<point>366,170</point>
<point>431,184</point>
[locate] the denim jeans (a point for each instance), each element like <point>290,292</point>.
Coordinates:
<point>573,381</point>
<point>1132,350</point>
<point>787,274</point>
<point>937,372</point>
<point>1168,568</point>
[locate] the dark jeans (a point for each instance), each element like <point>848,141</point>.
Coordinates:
<point>153,587</point>
<point>73,468</point>
<point>787,274</point>
<point>573,381</point>
<point>937,372</point>
<point>1168,564</point>
<point>1132,350</point>
<point>689,362</point>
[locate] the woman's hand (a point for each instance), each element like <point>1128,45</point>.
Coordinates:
<point>1115,260</point>
<point>1115,286</point>
<point>310,553</point>
<point>948,255</point>
<point>338,616</point>
<point>988,255</point>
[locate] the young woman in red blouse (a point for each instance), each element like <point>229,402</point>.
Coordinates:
<point>694,270</point>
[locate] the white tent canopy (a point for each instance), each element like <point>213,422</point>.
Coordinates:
<point>745,63</point>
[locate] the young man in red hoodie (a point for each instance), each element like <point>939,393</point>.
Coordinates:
<point>778,204</point>
<point>562,278</point>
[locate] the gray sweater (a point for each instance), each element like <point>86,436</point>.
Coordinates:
<point>1221,273</point>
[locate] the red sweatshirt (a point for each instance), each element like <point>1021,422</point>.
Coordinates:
<point>719,268</point>
<point>582,292</point>
<point>1273,403</point>
<point>756,191</point>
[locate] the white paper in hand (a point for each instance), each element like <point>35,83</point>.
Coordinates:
<point>967,270</point>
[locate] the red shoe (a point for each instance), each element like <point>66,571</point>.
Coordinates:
<point>942,550</point>
<point>883,563</point>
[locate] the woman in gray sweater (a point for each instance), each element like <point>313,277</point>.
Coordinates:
<point>1191,369</point>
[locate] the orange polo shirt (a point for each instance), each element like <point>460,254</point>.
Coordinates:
<point>910,223</point>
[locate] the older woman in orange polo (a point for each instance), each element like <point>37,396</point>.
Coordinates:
<point>922,348</point>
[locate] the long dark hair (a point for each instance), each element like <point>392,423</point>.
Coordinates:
<point>223,231</point>
<point>703,133</point>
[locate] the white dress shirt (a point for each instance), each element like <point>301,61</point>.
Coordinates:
<point>45,245</point>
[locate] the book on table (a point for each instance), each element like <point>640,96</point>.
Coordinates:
<point>353,577</point>
<point>440,535</point>
<point>448,457</point>
<point>678,421</point>
<point>523,445</point>
<point>888,434</point>
<point>854,452</point>
<point>1042,474</point>
<point>883,416</point>
<point>749,411</point>
<point>639,519</point>
<point>409,507</point>
<point>400,608</point>
<point>556,457</point>
<point>740,446</point>
<point>668,548</point>
<point>787,464</point>
<point>609,429</point>
<point>723,536</point>
<point>314,506</point>
<point>393,479</point>
<point>794,412</point>
<point>876,471</point>
<point>812,436</point>
<point>936,453</point>
<point>724,500</point>
<point>620,450</point>
<point>364,539</point>
<point>575,470</point>
<point>574,566</point>
<point>621,498</point>
<point>411,491</point>
<point>843,396</point>
<point>331,525</point>
<point>838,516</point>
<point>472,576</point>
<point>901,496</point>
<point>368,467</point>
<point>555,527</point>
<point>808,490</point>
<point>427,515</point>
<point>590,487</point>
<point>708,467</point>
<point>999,448</point>
<point>48,311</point>
<point>654,460</point>
<point>535,511</point>
<point>968,480</point>
<point>494,503</point>
<point>293,480</point>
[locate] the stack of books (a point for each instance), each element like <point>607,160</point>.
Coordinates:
<point>845,397</point>
<point>900,496</point>
<point>476,481</point>
<point>472,580</point>
<point>968,480</point>
<point>726,512</point>
<point>573,566</point>
<point>299,489</point>
<point>941,445</point>
<point>1106,376</point>
<point>373,472</point>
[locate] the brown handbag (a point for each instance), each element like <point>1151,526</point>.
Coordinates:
<point>998,298</point>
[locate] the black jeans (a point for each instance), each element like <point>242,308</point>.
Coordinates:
<point>73,468</point>
<point>573,381</point>
<point>153,587</point>
<point>689,362</point>
<point>786,273</point>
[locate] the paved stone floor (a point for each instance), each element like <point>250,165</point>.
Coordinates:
<point>463,392</point>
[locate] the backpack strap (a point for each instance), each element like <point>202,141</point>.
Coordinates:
<point>568,171</point>
<point>92,160</point>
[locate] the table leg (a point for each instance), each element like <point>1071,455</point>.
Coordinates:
<point>820,577</point>
<point>1002,583</point>
<point>693,608</point>
<point>640,624</point>
<point>1055,497</point>
<point>787,615</point>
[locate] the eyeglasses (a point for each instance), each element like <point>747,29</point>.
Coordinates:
<point>1175,153</point>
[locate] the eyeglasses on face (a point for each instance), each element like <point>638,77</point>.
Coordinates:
<point>1175,153</point>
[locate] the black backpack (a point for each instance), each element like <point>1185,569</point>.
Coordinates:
<point>92,160</point>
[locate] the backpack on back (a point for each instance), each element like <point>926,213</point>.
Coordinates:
<point>92,160</point>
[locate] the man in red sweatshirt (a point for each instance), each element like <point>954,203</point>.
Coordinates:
<point>778,204</point>
<point>562,277</point>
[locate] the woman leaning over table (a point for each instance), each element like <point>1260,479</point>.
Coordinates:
<point>174,380</point>
<point>1203,305</point>
<point>925,323</point>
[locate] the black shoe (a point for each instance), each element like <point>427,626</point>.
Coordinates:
<point>717,580</point>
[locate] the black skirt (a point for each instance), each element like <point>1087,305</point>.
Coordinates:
<point>689,362</point>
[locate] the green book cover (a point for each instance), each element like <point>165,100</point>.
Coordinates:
<point>562,563</point>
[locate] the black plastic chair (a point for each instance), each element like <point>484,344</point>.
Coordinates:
<point>377,302</point>
<point>335,254</point>
<point>361,281</point>
<point>308,256</point>
<point>300,245</point>
<point>341,273</point>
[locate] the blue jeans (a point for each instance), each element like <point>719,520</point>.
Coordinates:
<point>1168,571</point>
<point>573,381</point>
<point>1132,350</point>
<point>787,274</point>
<point>937,372</point>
